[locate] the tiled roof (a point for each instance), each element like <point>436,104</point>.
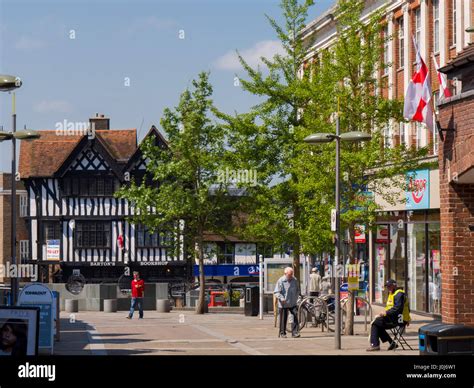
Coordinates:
<point>44,156</point>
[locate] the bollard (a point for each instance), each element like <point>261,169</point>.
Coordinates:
<point>110,305</point>
<point>163,305</point>
<point>71,305</point>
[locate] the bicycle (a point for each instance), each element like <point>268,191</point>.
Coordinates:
<point>314,309</point>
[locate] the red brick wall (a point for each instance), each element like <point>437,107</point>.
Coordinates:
<point>457,213</point>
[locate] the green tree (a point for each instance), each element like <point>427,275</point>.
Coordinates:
<point>301,98</point>
<point>348,78</point>
<point>265,139</point>
<point>188,173</point>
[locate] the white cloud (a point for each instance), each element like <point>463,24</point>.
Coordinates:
<point>29,43</point>
<point>53,106</point>
<point>252,55</point>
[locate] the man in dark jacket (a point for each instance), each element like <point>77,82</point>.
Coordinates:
<point>396,313</point>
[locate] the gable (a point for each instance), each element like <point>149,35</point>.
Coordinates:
<point>137,162</point>
<point>89,160</point>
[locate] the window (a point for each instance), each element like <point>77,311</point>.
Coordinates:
<point>24,249</point>
<point>388,136</point>
<point>51,230</point>
<point>145,237</point>
<point>264,249</point>
<point>88,186</point>
<point>23,205</point>
<point>225,253</point>
<point>419,135</point>
<point>455,23</point>
<point>436,26</point>
<point>418,26</point>
<point>386,49</point>
<point>92,234</point>
<point>435,131</point>
<point>401,43</point>
<point>403,134</point>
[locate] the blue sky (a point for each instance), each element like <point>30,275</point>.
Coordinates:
<point>115,41</point>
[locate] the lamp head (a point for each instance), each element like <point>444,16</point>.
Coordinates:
<point>356,136</point>
<point>9,83</point>
<point>318,138</point>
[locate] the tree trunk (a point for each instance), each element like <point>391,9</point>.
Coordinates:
<point>201,304</point>
<point>349,324</point>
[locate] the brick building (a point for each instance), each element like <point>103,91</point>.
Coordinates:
<point>456,161</point>
<point>5,222</point>
<point>407,243</point>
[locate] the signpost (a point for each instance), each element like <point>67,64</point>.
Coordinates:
<point>38,295</point>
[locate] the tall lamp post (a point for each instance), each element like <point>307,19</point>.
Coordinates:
<point>319,138</point>
<point>7,84</point>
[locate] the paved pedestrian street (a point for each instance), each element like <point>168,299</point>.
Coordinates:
<point>185,333</point>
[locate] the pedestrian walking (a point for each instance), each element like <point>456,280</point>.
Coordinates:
<point>138,289</point>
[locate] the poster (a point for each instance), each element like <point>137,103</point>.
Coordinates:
<point>52,250</point>
<point>436,255</point>
<point>359,234</point>
<point>382,234</point>
<point>19,331</point>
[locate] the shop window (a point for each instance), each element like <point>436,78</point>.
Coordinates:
<point>416,235</point>
<point>381,261</point>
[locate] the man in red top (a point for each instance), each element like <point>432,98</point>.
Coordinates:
<point>138,288</point>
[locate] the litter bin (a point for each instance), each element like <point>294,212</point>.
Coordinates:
<point>446,339</point>
<point>251,301</point>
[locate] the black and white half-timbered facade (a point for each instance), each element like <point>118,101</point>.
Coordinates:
<point>73,218</point>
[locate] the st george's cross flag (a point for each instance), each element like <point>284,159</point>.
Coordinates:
<point>443,83</point>
<point>418,94</point>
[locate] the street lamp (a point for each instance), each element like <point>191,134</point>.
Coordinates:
<point>470,29</point>
<point>9,83</point>
<point>319,138</point>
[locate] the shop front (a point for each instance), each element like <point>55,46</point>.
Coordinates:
<point>406,245</point>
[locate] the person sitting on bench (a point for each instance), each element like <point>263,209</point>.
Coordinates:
<point>397,313</point>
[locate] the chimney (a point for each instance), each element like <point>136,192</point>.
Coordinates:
<point>99,122</point>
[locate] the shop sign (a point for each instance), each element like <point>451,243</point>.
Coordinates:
<point>418,189</point>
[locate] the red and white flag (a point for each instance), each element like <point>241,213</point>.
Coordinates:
<point>443,83</point>
<point>418,95</point>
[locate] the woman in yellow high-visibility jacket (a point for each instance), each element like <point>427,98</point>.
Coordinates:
<point>397,312</point>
